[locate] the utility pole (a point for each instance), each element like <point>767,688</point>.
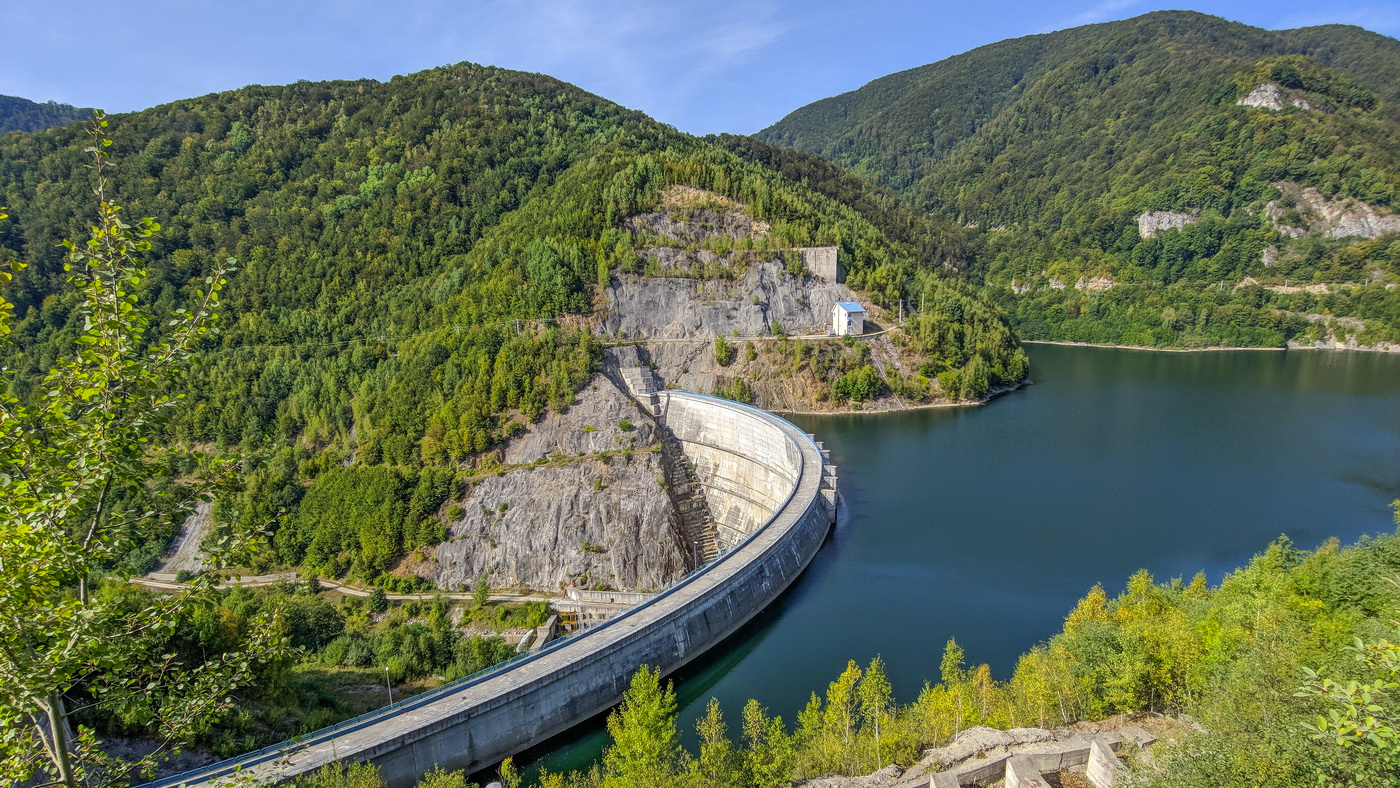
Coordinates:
<point>388,688</point>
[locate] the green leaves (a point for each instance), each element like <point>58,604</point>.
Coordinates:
<point>73,461</point>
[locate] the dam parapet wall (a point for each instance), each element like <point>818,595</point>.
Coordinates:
<point>773,498</point>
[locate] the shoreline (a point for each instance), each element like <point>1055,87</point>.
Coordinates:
<point>1358,349</point>
<point>1066,343</point>
<point>925,406</point>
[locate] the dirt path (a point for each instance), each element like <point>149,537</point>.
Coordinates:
<point>185,555</point>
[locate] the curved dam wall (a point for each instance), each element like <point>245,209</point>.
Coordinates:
<point>746,467</point>
<point>763,478</point>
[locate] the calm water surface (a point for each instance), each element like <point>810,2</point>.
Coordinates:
<point>988,524</point>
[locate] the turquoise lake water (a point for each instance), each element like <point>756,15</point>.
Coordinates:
<point>987,524</point>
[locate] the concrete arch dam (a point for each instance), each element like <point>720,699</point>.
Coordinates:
<point>760,476</point>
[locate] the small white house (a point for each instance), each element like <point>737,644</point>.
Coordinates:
<point>848,317</point>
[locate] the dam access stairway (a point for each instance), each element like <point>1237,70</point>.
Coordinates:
<point>720,498</point>
<point>697,522</point>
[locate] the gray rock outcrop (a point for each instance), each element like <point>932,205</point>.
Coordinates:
<point>185,553</point>
<point>677,308</point>
<point>582,518</point>
<point>698,225</point>
<point>1271,96</point>
<point>1267,96</point>
<point>590,425</point>
<point>589,522</point>
<point>1332,218</point>
<point>1153,222</point>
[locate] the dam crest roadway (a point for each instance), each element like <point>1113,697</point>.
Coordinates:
<point>771,494</point>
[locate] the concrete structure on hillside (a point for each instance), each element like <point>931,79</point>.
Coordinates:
<point>773,493</point>
<point>822,261</point>
<point>1026,766</point>
<point>847,318</point>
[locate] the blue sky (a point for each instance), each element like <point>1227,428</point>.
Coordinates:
<point>721,65</point>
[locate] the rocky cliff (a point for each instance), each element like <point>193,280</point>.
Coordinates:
<point>578,499</point>
<point>748,305</point>
<point>1301,210</point>
<point>709,270</point>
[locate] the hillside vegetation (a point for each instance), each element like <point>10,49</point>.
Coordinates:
<point>1276,151</point>
<point>421,265</point>
<point>19,114</point>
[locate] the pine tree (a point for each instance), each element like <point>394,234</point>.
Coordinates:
<point>646,749</point>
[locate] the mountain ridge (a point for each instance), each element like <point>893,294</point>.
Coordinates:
<point>21,114</point>
<point>1052,146</point>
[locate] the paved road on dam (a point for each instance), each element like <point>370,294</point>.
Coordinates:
<point>474,723</point>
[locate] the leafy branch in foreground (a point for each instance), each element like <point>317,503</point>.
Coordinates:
<point>75,473</point>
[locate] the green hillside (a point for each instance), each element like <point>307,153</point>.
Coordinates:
<point>18,114</point>
<point>419,262</point>
<point>1053,146</point>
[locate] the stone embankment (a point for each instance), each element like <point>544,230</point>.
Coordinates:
<point>761,474</point>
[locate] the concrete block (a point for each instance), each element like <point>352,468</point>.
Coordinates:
<point>984,773</point>
<point>1103,767</point>
<point>1137,736</point>
<point>943,780</point>
<point>1021,772</point>
<point>822,261</point>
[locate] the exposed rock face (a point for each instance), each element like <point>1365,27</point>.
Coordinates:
<point>185,554</point>
<point>559,527</point>
<point>589,426</point>
<point>1266,96</point>
<point>1094,283</point>
<point>1153,222</point>
<point>736,290</point>
<point>1332,218</point>
<point>693,227</point>
<point>592,520</point>
<point>1272,96</point>
<point>675,308</point>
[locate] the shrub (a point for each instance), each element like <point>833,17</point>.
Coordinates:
<point>724,352</point>
<point>378,600</point>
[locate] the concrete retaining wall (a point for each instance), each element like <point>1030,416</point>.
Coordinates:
<point>752,460</point>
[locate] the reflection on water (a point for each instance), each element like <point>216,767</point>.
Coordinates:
<point>987,524</point>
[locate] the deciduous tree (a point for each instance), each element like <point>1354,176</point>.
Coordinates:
<point>75,462</point>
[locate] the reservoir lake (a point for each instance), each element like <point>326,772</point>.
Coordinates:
<point>988,523</point>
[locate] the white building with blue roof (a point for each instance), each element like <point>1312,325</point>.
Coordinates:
<point>847,317</point>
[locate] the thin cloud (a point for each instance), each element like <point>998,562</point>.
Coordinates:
<point>1099,13</point>
<point>638,53</point>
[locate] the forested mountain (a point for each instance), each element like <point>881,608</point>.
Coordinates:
<point>420,262</point>
<point>1173,179</point>
<point>18,114</point>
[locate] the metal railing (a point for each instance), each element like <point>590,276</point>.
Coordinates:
<point>231,766</point>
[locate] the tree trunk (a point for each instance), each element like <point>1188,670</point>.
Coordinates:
<point>58,729</point>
